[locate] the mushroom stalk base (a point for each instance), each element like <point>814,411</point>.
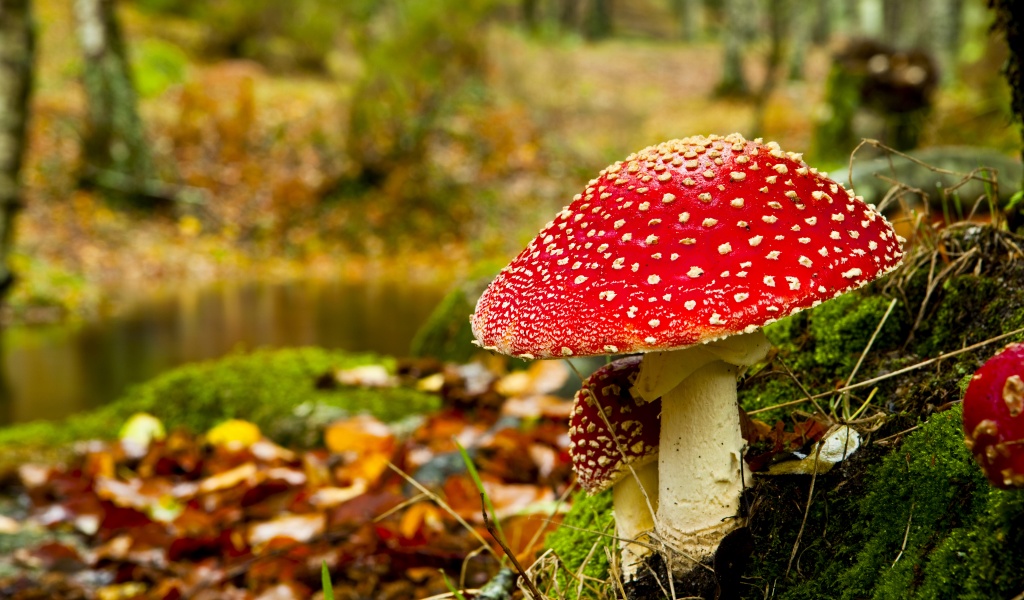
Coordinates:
<point>634,519</point>
<point>700,464</point>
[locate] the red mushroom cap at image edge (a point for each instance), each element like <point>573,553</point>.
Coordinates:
<point>684,242</point>
<point>598,461</point>
<point>994,417</point>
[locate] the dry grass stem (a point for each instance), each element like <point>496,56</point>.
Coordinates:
<point>448,509</point>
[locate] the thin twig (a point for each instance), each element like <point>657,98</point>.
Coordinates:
<point>807,394</point>
<point>440,502</point>
<point>895,373</point>
<point>906,534</point>
<point>807,510</point>
<point>867,348</point>
<point>508,552</point>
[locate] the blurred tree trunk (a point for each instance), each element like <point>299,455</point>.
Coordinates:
<point>735,31</point>
<point>940,34</point>
<point>17,52</point>
<point>802,19</point>
<point>568,14</point>
<point>688,13</point>
<point>528,8</point>
<point>598,23</point>
<point>115,153</point>
<point>780,13</point>
<point>1008,21</point>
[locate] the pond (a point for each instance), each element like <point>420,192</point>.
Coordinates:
<point>53,371</point>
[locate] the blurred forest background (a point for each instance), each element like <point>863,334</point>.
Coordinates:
<point>169,143</point>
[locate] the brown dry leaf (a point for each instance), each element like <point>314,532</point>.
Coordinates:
<point>538,406</point>
<point>419,516</point>
<point>301,528</point>
<point>243,473</point>
<point>360,435</point>
<point>542,377</point>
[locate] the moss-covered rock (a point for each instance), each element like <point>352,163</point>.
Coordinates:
<point>583,540</point>
<point>265,387</point>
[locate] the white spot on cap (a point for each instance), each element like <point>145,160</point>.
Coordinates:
<point>811,220</point>
<point>684,217</point>
<point>580,279</point>
<point>805,261</point>
<point>654,280</point>
<point>631,312</point>
<point>769,281</point>
<point>755,240</point>
<point>854,272</point>
<point>709,222</point>
<point>769,218</point>
<point>716,319</point>
<point>650,340</point>
<point>740,297</point>
<point>644,206</point>
<point>651,239</point>
<point>737,175</point>
<point>737,203</point>
<point>668,198</point>
<point>619,223</point>
<point>618,262</point>
<point>690,304</point>
<point>725,248</point>
<point>654,322</point>
<point>773,255</point>
<point>794,283</point>
<point>693,272</point>
<point>704,197</point>
<point>606,295</point>
<point>566,351</point>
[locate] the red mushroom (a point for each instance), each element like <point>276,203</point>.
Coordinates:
<point>993,419</point>
<point>625,461</point>
<point>683,251</point>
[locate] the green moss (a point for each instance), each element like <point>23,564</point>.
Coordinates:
<point>447,335</point>
<point>584,536</point>
<point>264,387</point>
<point>843,327</point>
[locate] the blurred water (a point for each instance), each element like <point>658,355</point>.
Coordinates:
<point>55,370</point>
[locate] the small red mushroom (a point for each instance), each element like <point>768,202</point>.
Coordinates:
<point>626,462</point>
<point>994,417</point>
<point>683,251</point>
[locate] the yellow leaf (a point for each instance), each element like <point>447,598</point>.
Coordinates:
<point>234,433</point>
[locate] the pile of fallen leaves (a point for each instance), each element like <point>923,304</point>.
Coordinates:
<point>390,510</point>
<point>231,514</point>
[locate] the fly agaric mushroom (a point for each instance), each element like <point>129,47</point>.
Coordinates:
<point>993,419</point>
<point>625,461</point>
<point>683,251</point>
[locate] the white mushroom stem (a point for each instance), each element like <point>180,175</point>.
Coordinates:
<point>700,459</point>
<point>634,517</point>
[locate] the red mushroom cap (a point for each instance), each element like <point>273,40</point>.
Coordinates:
<point>682,243</point>
<point>596,458</point>
<point>994,417</point>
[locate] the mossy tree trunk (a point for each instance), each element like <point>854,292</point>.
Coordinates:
<point>1010,24</point>
<point>17,53</point>
<point>17,50</point>
<point>115,153</point>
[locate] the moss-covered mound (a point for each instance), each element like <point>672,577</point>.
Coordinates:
<point>909,516</point>
<point>581,545</point>
<point>275,389</point>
